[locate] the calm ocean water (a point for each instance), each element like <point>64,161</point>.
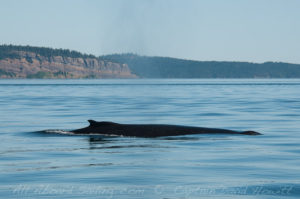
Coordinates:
<point>37,165</point>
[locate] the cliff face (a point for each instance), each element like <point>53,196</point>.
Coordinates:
<point>33,65</point>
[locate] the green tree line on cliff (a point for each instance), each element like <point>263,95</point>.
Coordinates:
<point>8,51</point>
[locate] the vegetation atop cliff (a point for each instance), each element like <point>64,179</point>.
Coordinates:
<point>7,51</point>
<point>165,67</point>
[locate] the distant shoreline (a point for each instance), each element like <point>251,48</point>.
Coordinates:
<point>27,62</point>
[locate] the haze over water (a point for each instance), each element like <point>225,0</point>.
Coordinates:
<point>37,165</point>
<point>204,30</point>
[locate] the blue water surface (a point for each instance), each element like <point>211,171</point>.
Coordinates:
<point>39,165</point>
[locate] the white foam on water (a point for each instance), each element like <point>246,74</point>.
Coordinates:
<point>58,131</point>
<point>64,132</point>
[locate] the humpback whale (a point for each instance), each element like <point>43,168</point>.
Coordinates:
<point>151,130</point>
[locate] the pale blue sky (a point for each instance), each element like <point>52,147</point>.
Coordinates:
<point>230,30</point>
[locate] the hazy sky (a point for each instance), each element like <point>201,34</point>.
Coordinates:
<point>230,30</point>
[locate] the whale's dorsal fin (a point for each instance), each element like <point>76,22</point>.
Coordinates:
<point>92,122</point>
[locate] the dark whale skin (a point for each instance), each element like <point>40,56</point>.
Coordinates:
<point>151,130</point>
